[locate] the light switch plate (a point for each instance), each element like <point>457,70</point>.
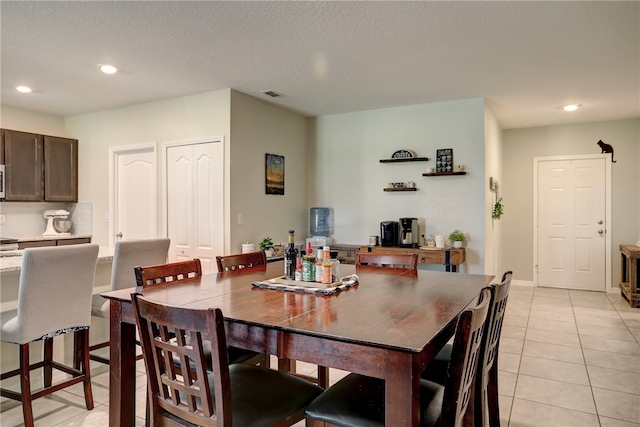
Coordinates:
<point>3,218</point>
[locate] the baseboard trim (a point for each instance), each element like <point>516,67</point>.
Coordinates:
<point>526,283</point>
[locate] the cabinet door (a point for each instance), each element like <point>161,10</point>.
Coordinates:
<point>23,160</point>
<point>60,169</point>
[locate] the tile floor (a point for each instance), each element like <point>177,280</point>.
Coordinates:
<point>567,358</point>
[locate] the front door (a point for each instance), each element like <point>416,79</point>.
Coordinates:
<point>571,223</point>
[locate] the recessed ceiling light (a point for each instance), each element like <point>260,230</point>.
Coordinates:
<point>108,69</point>
<point>23,89</point>
<point>571,107</point>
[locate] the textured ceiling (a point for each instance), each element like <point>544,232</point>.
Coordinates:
<point>526,58</point>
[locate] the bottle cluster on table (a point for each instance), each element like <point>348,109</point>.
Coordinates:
<point>305,266</point>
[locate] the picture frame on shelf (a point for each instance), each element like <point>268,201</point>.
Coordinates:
<point>444,160</point>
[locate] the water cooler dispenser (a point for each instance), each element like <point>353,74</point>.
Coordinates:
<point>320,227</point>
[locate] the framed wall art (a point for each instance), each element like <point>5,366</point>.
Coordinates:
<point>274,174</point>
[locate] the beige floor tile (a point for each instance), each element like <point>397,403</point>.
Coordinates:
<point>552,325</point>
<point>513,332</point>
<point>525,413</point>
<point>504,407</point>
<point>541,306</point>
<point>595,312</point>
<point>617,405</point>
<point>550,302</point>
<point>613,379</point>
<point>98,417</point>
<point>554,369</point>
<point>605,359</point>
<point>630,315</point>
<point>553,351</point>
<point>603,322</point>
<point>557,393</point>
<point>552,315</point>
<point>511,345</point>
<point>549,337</point>
<point>519,322</point>
<point>612,333</point>
<point>631,348</point>
<point>508,362</point>
<point>551,293</point>
<point>600,305</point>
<point>587,296</point>
<point>506,383</point>
<point>632,324</point>
<point>47,411</point>
<point>610,422</point>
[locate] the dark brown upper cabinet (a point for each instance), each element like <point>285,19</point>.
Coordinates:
<point>39,168</point>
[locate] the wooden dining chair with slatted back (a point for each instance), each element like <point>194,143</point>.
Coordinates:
<point>358,400</point>
<point>126,255</point>
<point>252,260</point>
<point>176,273</point>
<point>239,394</point>
<point>387,260</point>
<point>486,401</point>
<point>231,264</point>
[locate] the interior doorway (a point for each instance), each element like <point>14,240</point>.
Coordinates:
<point>572,244</point>
<point>133,192</point>
<point>194,205</point>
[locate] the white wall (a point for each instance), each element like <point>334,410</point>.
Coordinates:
<point>257,128</point>
<point>185,118</point>
<point>522,145</point>
<point>29,121</point>
<point>348,176</point>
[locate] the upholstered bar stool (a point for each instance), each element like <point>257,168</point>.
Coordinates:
<point>54,298</point>
<point>127,255</point>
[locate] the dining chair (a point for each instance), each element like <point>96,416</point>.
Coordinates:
<point>387,260</point>
<point>54,298</point>
<point>176,273</point>
<point>239,394</point>
<point>252,260</point>
<point>486,401</point>
<point>358,400</point>
<point>126,255</point>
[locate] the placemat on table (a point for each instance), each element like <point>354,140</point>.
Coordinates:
<point>282,284</point>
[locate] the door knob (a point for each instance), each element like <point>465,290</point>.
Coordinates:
<point>119,234</point>
<point>600,222</point>
<point>600,231</point>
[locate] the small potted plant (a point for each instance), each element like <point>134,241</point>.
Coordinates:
<point>266,245</point>
<point>457,238</point>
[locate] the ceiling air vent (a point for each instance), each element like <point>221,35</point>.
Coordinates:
<point>271,93</point>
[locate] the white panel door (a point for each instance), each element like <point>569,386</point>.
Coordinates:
<point>134,193</point>
<point>195,221</point>
<point>572,224</point>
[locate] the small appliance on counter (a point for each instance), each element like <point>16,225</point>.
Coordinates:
<point>409,232</point>
<point>389,233</point>
<point>8,244</point>
<point>58,223</point>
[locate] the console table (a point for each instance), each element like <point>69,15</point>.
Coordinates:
<point>451,258</point>
<point>630,278</point>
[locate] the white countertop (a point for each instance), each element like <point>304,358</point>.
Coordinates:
<point>11,261</point>
<point>62,237</point>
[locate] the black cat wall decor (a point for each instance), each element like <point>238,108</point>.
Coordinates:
<point>606,148</point>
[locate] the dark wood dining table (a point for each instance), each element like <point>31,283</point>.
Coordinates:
<point>389,326</point>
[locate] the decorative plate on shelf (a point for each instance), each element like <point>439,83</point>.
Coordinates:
<point>403,154</point>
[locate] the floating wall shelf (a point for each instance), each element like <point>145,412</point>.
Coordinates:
<point>401,189</point>
<point>444,173</point>
<point>405,159</point>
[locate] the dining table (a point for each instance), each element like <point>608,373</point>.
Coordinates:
<point>389,326</point>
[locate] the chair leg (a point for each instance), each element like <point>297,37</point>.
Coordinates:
<point>48,358</point>
<point>323,377</point>
<point>25,385</point>
<point>492,396</point>
<point>83,338</point>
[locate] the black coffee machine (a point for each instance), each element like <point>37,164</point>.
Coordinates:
<point>409,232</point>
<point>389,233</point>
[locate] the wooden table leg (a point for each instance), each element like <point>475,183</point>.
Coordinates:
<point>402,394</point>
<point>122,367</point>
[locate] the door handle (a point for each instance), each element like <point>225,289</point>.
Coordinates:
<point>119,235</point>
<point>601,231</point>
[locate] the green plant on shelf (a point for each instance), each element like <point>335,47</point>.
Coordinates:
<point>498,209</point>
<point>457,236</point>
<point>266,244</point>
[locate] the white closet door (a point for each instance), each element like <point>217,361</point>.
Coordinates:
<point>195,221</point>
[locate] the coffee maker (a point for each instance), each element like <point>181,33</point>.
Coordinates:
<point>409,232</point>
<point>389,233</point>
